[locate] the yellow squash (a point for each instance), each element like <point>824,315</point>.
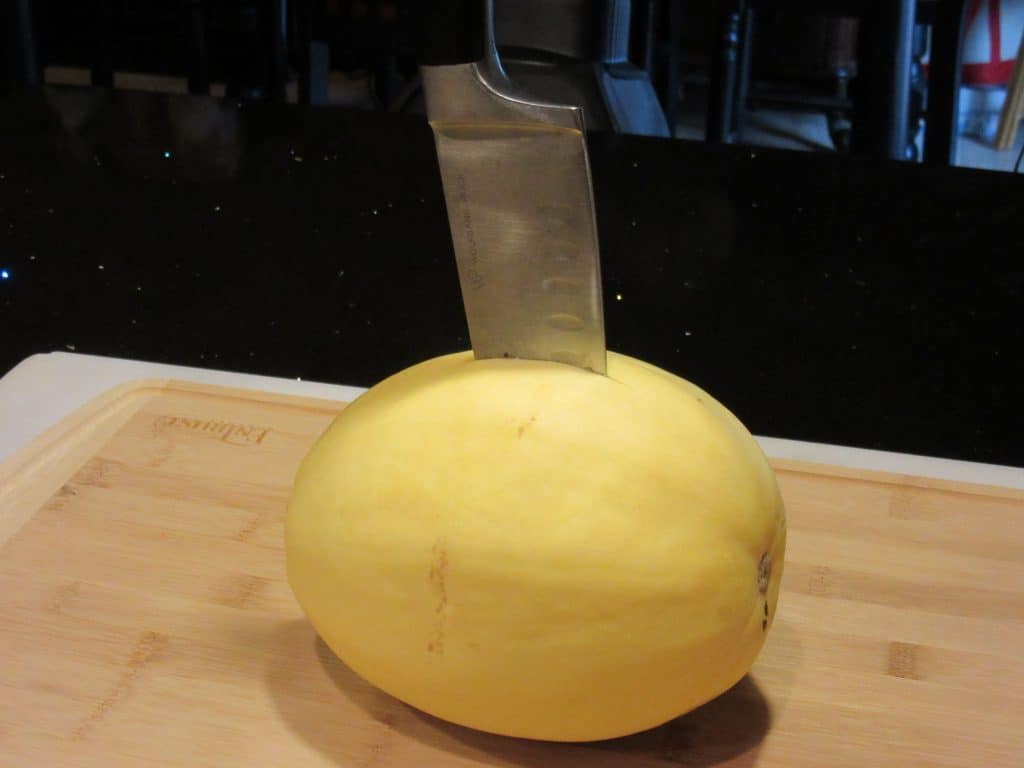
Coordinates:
<point>534,550</point>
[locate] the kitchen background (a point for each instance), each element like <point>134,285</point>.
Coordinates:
<point>795,77</point>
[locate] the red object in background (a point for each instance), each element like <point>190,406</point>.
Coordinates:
<point>990,41</point>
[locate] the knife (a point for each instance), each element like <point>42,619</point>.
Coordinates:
<point>519,197</point>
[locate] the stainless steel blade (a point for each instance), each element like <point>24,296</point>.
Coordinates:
<point>518,189</point>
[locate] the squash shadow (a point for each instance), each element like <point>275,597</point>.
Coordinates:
<point>320,698</point>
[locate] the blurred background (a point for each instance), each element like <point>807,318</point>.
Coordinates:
<point>936,81</point>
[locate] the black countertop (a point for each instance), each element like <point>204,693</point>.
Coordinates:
<point>819,297</point>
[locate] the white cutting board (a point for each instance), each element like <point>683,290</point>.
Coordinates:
<point>45,388</point>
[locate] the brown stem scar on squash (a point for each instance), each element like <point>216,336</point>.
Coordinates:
<point>764,572</point>
<point>439,582</point>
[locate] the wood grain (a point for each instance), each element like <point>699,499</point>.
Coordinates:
<point>145,620</point>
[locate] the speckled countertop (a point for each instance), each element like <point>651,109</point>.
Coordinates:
<point>827,299</point>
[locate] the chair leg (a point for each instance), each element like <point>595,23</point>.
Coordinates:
<point>277,29</point>
<point>724,72</point>
<point>302,34</point>
<point>22,65</point>
<point>918,89</point>
<point>643,33</point>
<point>673,75</point>
<point>944,82</point>
<point>259,67</point>
<point>312,56</point>
<point>840,124</point>
<point>884,46</point>
<point>743,76</point>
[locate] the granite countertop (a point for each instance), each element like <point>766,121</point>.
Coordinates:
<point>821,298</point>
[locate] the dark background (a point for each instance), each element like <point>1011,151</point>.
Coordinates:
<point>820,297</point>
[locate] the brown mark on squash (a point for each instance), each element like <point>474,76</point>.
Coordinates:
<point>521,429</point>
<point>147,648</point>
<point>764,573</point>
<point>439,586</point>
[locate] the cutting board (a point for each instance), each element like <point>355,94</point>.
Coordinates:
<point>145,618</point>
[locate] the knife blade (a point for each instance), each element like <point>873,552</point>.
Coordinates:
<point>519,197</point>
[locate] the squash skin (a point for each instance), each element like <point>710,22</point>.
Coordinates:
<point>533,550</point>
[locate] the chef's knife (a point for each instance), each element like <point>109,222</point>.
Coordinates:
<point>517,186</point>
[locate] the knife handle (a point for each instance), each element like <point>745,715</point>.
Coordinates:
<point>454,31</point>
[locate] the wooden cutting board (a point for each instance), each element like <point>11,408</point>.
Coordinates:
<point>145,619</point>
